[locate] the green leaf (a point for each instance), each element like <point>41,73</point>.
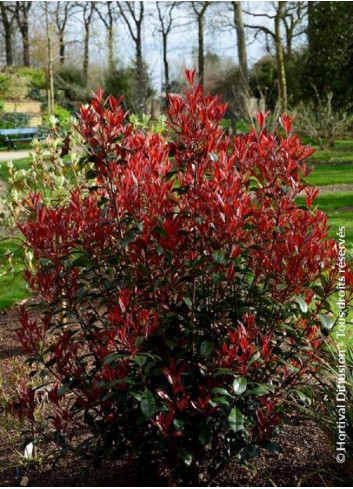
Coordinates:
<point>82,261</point>
<point>129,239</point>
<point>188,302</point>
<point>240,385</point>
<point>218,257</point>
<point>140,360</point>
<point>148,404</point>
<point>213,157</point>
<point>159,230</point>
<point>302,304</point>
<point>90,174</point>
<point>216,401</point>
<point>303,397</point>
<point>236,420</point>
<point>326,321</point>
<point>220,390</point>
<point>206,348</point>
<point>260,390</point>
<point>111,358</point>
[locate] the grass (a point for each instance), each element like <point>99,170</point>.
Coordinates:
<point>342,152</point>
<point>331,174</point>
<point>21,164</point>
<point>19,146</point>
<point>12,286</point>
<point>339,209</point>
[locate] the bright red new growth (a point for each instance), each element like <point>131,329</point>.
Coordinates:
<point>185,268</point>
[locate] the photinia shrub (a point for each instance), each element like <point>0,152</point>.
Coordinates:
<point>184,293</point>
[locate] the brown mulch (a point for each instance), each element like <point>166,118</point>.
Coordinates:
<point>307,459</point>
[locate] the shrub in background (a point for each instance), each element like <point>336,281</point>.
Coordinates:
<point>63,117</point>
<point>72,81</point>
<point>321,122</point>
<point>13,120</point>
<point>184,293</point>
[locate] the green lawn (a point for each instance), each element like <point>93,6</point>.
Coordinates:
<point>12,285</point>
<point>331,174</point>
<point>22,164</point>
<point>342,152</point>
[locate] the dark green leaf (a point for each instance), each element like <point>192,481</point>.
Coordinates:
<point>148,404</point>
<point>236,420</point>
<point>206,348</point>
<point>239,385</point>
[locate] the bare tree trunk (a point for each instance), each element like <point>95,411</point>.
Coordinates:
<point>200,19</point>
<point>50,66</point>
<point>282,81</point>
<point>140,73</point>
<point>25,41</point>
<point>166,25</point>
<point>88,8</point>
<point>134,21</point>
<point>108,18</point>
<point>201,50</point>
<point>61,48</point>
<point>86,53</point>
<point>242,56</point>
<point>166,65</point>
<point>311,12</point>
<point>7,23</point>
<point>21,14</point>
<point>110,47</point>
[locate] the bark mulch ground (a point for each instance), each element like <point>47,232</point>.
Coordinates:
<point>307,459</point>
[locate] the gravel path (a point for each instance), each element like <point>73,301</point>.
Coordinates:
<point>13,155</point>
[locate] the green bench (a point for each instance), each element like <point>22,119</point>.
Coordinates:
<point>19,135</point>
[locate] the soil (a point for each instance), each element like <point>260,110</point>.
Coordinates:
<point>307,458</point>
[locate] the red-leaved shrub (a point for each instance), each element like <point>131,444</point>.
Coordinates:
<point>184,292</point>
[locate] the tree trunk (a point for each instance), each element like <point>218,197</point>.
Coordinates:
<point>8,35</point>
<point>139,73</point>
<point>166,68</point>
<point>242,56</point>
<point>25,44</point>
<point>61,48</point>
<point>8,47</point>
<point>86,54</point>
<point>201,50</point>
<point>110,43</point>
<point>282,81</point>
<point>50,66</point>
<point>289,46</point>
<point>311,12</point>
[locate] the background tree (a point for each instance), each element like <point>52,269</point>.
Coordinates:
<point>21,13</point>
<point>87,10</point>
<point>61,14</point>
<point>7,19</point>
<point>330,52</point>
<point>199,11</point>
<point>107,14</point>
<point>293,18</point>
<point>165,18</point>
<point>275,34</point>
<point>133,15</point>
<point>242,74</point>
